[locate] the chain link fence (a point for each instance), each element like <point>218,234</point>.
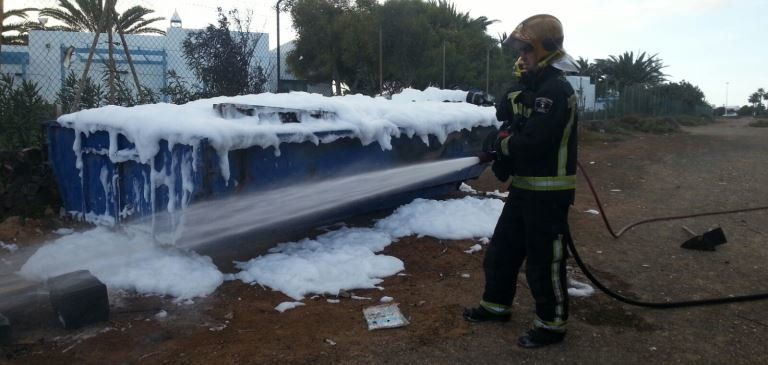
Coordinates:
<point>57,65</point>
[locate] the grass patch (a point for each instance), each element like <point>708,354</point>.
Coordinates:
<point>760,123</point>
<point>654,125</point>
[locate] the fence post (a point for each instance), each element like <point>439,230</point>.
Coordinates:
<point>2,18</point>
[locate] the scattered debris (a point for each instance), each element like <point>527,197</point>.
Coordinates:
<point>384,316</point>
<point>161,314</point>
<point>474,249</point>
<point>330,342</point>
<point>467,189</point>
<point>355,297</point>
<point>615,190</point>
<point>386,299</point>
<point>229,316</point>
<point>218,328</point>
<point>466,276</point>
<point>484,240</point>
<point>592,211</point>
<point>333,301</point>
<point>284,306</point>
<point>64,231</point>
<point>706,241</point>
<point>343,294</point>
<point>10,247</point>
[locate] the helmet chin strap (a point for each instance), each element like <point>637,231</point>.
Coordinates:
<point>546,61</point>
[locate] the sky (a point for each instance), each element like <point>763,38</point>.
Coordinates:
<point>715,44</point>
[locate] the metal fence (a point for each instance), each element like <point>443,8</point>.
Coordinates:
<point>52,71</point>
<point>125,69</point>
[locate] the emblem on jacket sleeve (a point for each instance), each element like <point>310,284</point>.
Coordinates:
<point>543,105</point>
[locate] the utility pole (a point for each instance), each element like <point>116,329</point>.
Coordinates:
<point>277,8</point>
<point>381,61</point>
<point>726,95</point>
<point>487,69</point>
<point>443,63</point>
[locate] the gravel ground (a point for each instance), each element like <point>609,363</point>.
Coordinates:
<point>713,167</point>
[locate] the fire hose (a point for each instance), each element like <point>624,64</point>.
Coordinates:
<point>617,235</point>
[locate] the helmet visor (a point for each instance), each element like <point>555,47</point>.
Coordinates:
<point>518,45</point>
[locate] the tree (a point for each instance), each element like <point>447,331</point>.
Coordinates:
<point>21,110</point>
<point>86,16</point>
<point>756,99</point>
<point>627,70</point>
<point>317,54</point>
<point>223,59</point>
<point>339,40</point>
<point>681,97</point>
<point>16,30</point>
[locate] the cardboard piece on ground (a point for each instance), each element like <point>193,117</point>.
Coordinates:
<point>384,316</point>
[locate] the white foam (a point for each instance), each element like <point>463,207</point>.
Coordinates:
<point>579,289</point>
<point>347,259</point>
<point>337,260</point>
<point>126,260</point>
<point>455,219</point>
<point>284,306</point>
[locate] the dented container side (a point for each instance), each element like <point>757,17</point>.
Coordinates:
<point>115,185</point>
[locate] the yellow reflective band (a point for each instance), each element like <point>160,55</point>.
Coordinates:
<point>505,146</point>
<point>557,256</point>
<point>544,183</point>
<point>554,326</point>
<point>495,308</point>
<point>516,108</point>
<point>562,156</point>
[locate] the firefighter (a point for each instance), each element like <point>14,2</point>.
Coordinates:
<point>535,150</point>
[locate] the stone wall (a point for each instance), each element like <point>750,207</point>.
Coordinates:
<point>27,186</point>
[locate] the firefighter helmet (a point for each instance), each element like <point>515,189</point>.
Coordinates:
<point>542,34</point>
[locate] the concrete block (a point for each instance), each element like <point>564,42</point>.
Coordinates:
<point>79,299</point>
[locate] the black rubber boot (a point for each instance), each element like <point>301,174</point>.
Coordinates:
<point>539,337</point>
<point>480,314</point>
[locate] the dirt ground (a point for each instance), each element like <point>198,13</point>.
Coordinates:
<point>713,167</point>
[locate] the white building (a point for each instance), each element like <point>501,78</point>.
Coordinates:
<point>52,55</point>
<point>585,92</point>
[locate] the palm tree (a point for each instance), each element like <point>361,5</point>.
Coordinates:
<point>18,29</point>
<point>626,70</point>
<point>754,99</point>
<point>85,16</point>
<point>95,16</point>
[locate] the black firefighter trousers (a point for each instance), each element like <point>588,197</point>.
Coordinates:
<point>534,229</point>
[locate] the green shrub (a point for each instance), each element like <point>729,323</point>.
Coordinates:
<point>22,109</point>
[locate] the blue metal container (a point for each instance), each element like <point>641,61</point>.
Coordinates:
<point>113,192</point>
